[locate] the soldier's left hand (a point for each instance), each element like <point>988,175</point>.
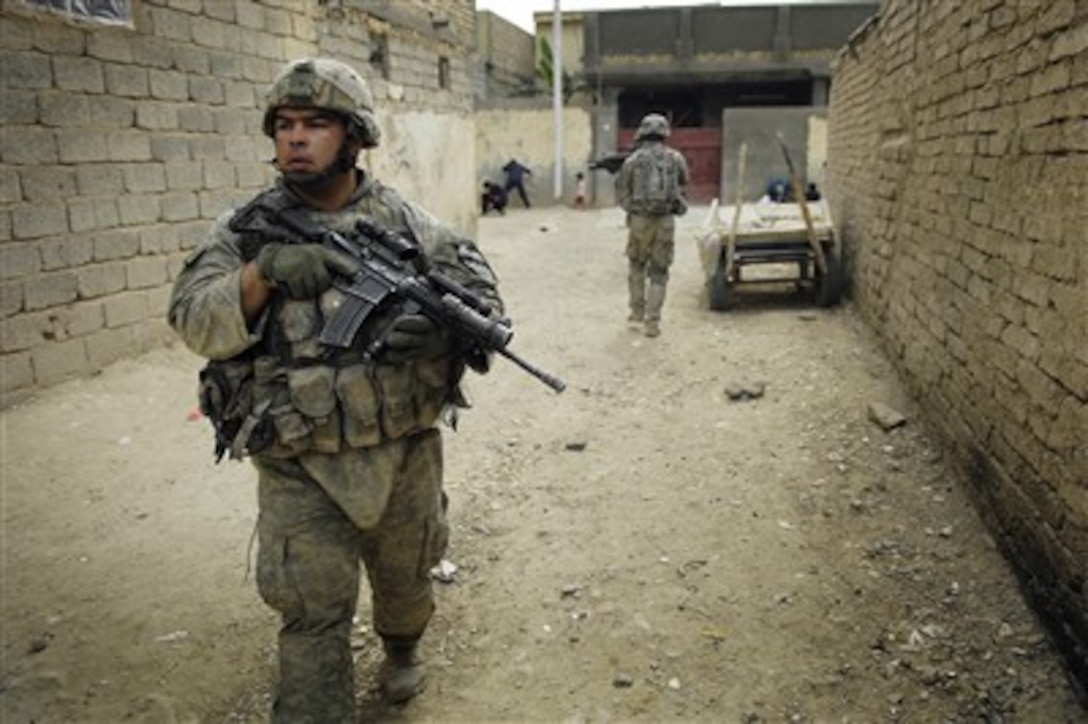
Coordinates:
<point>415,337</point>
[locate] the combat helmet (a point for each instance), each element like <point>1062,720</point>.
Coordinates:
<point>652,125</point>
<point>326,84</point>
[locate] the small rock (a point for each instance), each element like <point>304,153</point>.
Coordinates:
<point>445,571</point>
<point>576,445</point>
<point>622,681</point>
<point>885,416</point>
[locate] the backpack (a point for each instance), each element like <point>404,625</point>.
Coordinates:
<point>655,186</point>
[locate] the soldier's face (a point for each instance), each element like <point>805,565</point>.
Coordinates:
<point>307,140</point>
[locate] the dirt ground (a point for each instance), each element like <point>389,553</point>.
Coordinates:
<point>641,547</point>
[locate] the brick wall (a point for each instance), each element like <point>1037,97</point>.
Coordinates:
<point>506,56</point>
<point>958,172</point>
<point>119,145</point>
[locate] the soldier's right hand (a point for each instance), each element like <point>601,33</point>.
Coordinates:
<point>303,271</point>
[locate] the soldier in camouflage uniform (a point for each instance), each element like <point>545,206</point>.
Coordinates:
<point>651,186</point>
<point>345,442</point>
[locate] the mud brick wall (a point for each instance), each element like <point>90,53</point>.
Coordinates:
<point>120,145</point>
<point>958,173</point>
<point>506,55</point>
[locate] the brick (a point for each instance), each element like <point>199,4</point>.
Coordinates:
<point>184,175</point>
<point>156,117</point>
<point>82,75</point>
<point>138,209</point>
<point>109,46</point>
<point>99,280</point>
<point>127,81</point>
<point>142,178</point>
<point>18,107</point>
<point>125,309</point>
<point>145,271</point>
<point>82,318</point>
<point>43,184</point>
<point>129,146</point>
<point>116,244</point>
<point>28,145</point>
<point>82,216</point>
<point>208,33</point>
<point>180,206</point>
<point>27,70</point>
<point>171,25</point>
<point>205,90</point>
<point>58,39</point>
<point>64,109</point>
<point>111,112</point>
<point>11,298</point>
<point>32,222</point>
<point>19,260</point>
<point>81,146</point>
<point>94,179</point>
<point>50,290</point>
<point>159,240</point>
<point>169,148</point>
<point>64,252</point>
<point>169,85</point>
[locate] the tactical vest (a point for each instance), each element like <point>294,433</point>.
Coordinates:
<point>291,394</point>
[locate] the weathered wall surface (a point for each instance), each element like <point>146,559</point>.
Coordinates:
<point>506,55</point>
<point>760,130</point>
<point>119,146</point>
<point>958,171</point>
<point>525,130</point>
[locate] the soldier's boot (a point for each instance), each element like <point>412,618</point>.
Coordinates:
<point>636,292</point>
<point>402,675</point>
<point>655,299</point>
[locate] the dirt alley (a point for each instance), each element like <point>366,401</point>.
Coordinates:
<point>638,548</point>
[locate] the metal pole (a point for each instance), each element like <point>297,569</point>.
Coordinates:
<point>557,96</point>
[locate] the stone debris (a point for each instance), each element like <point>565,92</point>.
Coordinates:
<point>887,417</point>
<point>445,571</point>
<point>744,391</point>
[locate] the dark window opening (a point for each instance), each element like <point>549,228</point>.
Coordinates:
<point>379,56</point>
<point>682,108</point>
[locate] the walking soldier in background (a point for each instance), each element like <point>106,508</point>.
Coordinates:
<point>343,437</point>
<point>650,187</point>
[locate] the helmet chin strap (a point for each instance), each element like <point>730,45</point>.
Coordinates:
<point>316,183</point>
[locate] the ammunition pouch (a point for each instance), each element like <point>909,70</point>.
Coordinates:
<point>226,398</point>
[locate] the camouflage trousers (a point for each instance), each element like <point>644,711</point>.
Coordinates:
<point>650,251</point>
<point>308,569</point>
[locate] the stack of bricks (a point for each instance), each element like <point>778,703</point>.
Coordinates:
<point>958,172</point>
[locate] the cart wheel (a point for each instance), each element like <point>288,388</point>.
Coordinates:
<point>718,289</point>
<point>829,286</point>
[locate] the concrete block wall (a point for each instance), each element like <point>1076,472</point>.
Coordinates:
<point>524,129</point>
<point>958,175</point>
<point>120,145</point>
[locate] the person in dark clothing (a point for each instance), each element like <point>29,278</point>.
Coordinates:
<point>493,197</point>
<point>515,179</point>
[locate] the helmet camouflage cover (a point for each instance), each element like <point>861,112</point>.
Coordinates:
<point>653,124</point>
<point>328,85</point>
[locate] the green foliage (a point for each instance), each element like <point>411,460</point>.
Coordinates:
<point>572,83</point>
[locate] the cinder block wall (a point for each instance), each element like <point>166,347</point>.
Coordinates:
<point>958,173</point>
<point>120,145</point>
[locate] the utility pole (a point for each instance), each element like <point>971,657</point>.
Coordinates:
<point>557,96</point>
